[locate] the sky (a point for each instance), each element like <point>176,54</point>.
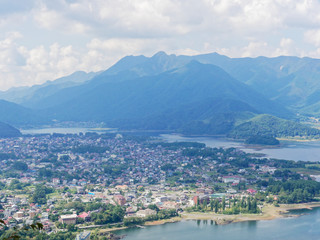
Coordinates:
<point>43,40</point>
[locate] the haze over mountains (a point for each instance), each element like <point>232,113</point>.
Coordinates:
<point>204,94</point>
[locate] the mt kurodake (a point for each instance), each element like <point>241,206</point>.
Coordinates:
<point>164,101</point>
<point>166,92</point>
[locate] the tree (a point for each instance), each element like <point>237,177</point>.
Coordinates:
<point>16,233</point>
<point>40,194</point>
<point>20,166</point>
<point>153,207</point>
<point>216,205</point>
<point>211,204</point>
<point>223,203</point>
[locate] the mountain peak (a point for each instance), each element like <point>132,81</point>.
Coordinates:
<point>160,54</point>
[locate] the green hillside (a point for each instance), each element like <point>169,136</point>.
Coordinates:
<point>8,131</point>
<point>267,125</point>
<point>17,115</point>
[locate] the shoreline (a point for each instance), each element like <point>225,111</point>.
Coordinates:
<point>298,139</point>
<point>269,212</point>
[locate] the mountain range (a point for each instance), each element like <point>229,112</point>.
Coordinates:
<point>203,94</point>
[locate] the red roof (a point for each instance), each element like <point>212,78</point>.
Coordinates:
<point>83,215</point>
<point>250,190</point>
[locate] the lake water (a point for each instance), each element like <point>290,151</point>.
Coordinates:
<point>305,227</point>
<point>65,130</point>
<point>289,150</point>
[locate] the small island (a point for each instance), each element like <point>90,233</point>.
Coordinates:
<point>262,140</point>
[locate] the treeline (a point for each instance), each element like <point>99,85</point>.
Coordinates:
<point>89,149</point>
<point>294,191</point>
<point>233,206</point>
<point>161,214</point>
<point>266,125</point>
<point>108,213</point>
<point>262,140</point>
<point>101,213</point>
<point>23,233</point>
<point>5,156</point>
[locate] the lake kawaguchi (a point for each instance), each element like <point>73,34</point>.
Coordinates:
<point>61,130</point>
<point>305,227</point>
<point>289,150</point>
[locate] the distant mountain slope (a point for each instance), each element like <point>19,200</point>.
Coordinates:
<point>17,115</point>
<point>8,131</point>
<point>272,126</point>
<point>291,81</point>
<point>29,96</point>
<point>193,92</point>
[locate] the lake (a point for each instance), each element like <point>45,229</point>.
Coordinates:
<point>304,227</point>
<point>289,150</point>
<point>35,131</point>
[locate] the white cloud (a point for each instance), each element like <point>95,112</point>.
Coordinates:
<point>48,39</point>
<point>313,37</point>
<point>51,19</point>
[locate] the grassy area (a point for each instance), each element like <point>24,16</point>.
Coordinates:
<point>306,171</point>
<point>54,195</point>
<point>313,165</point>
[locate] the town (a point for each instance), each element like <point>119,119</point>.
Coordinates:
<point>74,183</point>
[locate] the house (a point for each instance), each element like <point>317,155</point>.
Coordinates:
<point>201,199</point>
<point>56,181</point>
<point>251,191</point>
<point>131,210</point>
<point>119,199</point>
<point>162,199</point>
<point>83,236</point>
<point>68,219</point>
<point>231,179</point>
<point>85,216</point>
<point>145,213</point>
<point>32,214</point>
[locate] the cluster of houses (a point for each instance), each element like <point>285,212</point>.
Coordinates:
<point>119,171</point>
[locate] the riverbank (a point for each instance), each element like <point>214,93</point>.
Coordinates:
<point>269,212</point>
<point>163,221</point>
<point>298,139</point>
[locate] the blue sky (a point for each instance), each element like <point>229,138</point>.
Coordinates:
<point>43,39</point>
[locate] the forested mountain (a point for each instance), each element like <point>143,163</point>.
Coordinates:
<point>164,101</point>
<point>8,131</point>
<point>18,115</point>
<point>203,94</point>
<point>291,81</point>
<point>272,126</point>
